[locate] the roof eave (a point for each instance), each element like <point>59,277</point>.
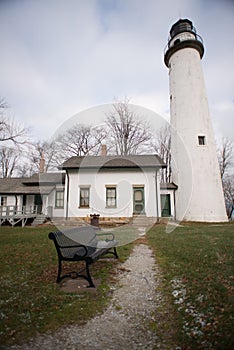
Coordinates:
<point>113,167</point>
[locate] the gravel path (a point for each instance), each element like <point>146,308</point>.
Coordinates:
<point>125,323</point>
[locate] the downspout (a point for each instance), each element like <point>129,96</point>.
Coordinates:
<point>68,190</point>
<point>156,190</point>
<point>16,203</point>
<point>174,205</point>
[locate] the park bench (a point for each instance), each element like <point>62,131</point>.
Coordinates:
<point>86,244</point>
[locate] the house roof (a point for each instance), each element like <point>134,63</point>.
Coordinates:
<point>168,186</point>
<point>44,178</point>
<point>111,162</point>
<point>10,185</point>
<point>36,184</point>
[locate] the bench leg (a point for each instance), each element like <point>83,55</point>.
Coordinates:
<point>89,278</point>
<point>115,253</point>
<point>59,271</point>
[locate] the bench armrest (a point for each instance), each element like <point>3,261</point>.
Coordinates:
<point>60,246</point>
<point>106,234</point>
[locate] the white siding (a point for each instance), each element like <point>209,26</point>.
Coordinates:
<point>11,200</point>
<point>194,168</point>
<point>30,200</point>
<point>124,180</point>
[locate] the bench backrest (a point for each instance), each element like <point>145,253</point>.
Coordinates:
<point>66,241</point>
<point>85,235</point>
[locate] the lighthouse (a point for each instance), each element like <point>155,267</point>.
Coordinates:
<point>195,167</point>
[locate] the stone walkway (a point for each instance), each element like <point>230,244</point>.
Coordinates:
<point>129,321</point>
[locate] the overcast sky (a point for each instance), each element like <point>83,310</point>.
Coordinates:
<point>59,57</point>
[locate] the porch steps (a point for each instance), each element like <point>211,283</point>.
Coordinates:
<point>39,220</point>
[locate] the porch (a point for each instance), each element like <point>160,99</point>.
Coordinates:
<point>13,215</point>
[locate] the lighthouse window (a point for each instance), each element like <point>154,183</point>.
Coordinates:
<point>201,140</point>
<point>177,41</point>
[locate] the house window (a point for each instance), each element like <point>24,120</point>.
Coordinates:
<point>59,199</point>
<point>201,140</point>
<point>84,197</point>
<point>110,197</point>
<point>3,201</point>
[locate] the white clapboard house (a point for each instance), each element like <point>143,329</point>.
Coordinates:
<point>114,187</point>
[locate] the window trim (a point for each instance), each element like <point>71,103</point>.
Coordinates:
<point>59,199</point>
<point>87,188</point>
<point>111,187</point>
<point>3,201</point>
<point>201,140</point>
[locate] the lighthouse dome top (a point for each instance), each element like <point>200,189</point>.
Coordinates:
<point>182,25</point>
<point>183,35</point>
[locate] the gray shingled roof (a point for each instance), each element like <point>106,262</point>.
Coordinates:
<point>15,186</point>
<point>45,178</point>
<point>110,162</point>
<point>36,184</point>
<point>168,185</point>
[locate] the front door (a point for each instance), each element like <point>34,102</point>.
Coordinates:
<point>138,200</point>
<point>38,203</point>
<point>165,205</point>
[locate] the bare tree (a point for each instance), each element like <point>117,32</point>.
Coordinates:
<point>225,156</point>
<point>42,157</point>
<point>39,156</point>
<point>3,105</point>
<point>24,169</point>
<point>228,189</point>
<point>45,156</point>
<point>10,130</point>
<point>80,140</point>
<point>128,133</point>
<point>8,161</point>
<point>161,145</point>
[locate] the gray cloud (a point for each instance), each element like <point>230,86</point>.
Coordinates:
<point>59,57</point>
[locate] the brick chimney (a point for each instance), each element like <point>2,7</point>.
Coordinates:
<point>103,150</point>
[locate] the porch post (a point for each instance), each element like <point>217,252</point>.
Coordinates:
<point>157,193</point>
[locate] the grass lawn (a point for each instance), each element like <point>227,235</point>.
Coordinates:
<point>30,300</point>
<point>197,263</point>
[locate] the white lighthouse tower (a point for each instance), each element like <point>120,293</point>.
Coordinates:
<point>194,161</point>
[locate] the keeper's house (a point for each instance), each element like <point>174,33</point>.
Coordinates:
<point>115,187</point>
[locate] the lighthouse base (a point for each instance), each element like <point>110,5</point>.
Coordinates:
<point>203,218</point>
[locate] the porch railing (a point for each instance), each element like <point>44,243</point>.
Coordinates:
<point>13,210</point>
